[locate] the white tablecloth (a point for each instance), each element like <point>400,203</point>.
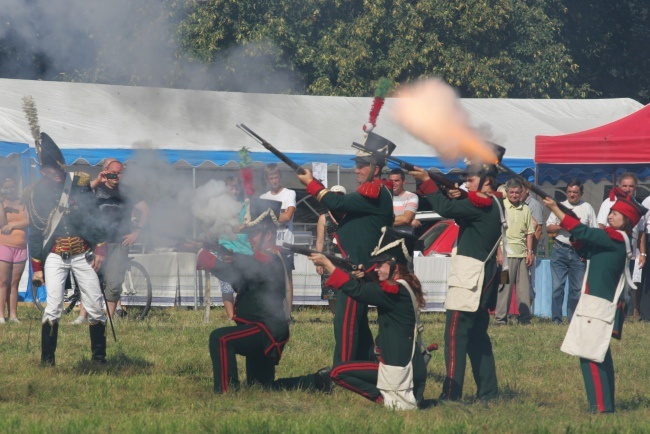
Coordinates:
<point>173,277</point>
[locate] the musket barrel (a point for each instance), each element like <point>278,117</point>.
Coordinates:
<point>286,160</point>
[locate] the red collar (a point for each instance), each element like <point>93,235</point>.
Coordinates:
<point>614,235</point>
<point>479,200</point>
<point>389,288</point>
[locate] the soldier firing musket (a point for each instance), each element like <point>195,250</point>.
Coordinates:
<point>441,181</point>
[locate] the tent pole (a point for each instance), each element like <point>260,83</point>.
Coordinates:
<point>196,286</point>
<point>338,175</point>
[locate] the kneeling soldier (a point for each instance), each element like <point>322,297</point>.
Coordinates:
<point>260,281</point>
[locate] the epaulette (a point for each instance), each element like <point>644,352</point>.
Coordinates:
<point>389,288</point>
<point>479,200</point>
<point>82,179</point>
<point>370,189</point>
<point>614,234</point>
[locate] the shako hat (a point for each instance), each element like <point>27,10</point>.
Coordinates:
<point>484,169</point>
<point>49,154</point>
<point>377,143</point>
<point>630,208</point>
<point>394,246</point>
<point>261,214</point>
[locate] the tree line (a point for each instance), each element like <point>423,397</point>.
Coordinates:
<point>485,48</point>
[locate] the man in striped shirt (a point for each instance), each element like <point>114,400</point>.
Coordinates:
<point>405,203</point>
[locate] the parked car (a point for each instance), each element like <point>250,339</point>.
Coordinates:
<point>439,239</point>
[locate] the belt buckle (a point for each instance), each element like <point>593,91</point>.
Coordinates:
<point>65,255</point>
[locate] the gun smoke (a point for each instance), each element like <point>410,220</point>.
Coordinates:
<point>128,43</point>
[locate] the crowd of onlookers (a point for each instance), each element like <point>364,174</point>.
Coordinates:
<point>525,231</point>
<point>526,224</point>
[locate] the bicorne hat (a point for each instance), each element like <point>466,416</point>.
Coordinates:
<point>376,143</point>
<point>49,154</point>
<point>261,214</point>
<point>394,246</point>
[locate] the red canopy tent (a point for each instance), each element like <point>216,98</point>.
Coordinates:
<point>623,141</point>
<point>622,145</point>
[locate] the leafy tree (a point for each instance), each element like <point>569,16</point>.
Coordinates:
<point>485,48</point>
<point>609,40</point>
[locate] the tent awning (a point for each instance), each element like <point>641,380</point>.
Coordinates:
<point>598,153</point>
<point>96,121</point>
<point>625,141</point>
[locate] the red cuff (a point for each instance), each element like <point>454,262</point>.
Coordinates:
<point>314,187</point>
<point>337,279</point>
<point>37,265</point>
<point>569,222</point>
<point>428,187</point>
<point>101,250</point>
<point>205,260</point>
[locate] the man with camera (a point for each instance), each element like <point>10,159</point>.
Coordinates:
<point>118,213</point>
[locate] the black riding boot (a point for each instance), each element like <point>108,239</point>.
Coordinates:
<point>49,335</point>
<point>98,343</point>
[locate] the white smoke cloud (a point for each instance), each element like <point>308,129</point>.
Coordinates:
<point>132,42</point>
<point>214,206</point>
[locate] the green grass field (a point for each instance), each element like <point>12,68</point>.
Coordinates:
<point>159,379</point>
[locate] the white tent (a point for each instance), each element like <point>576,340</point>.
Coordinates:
<point>92,121</point>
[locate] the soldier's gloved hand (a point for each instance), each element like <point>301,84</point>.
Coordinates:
<point>38,279</point>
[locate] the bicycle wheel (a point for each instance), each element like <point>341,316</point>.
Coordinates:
<point>136,289</point>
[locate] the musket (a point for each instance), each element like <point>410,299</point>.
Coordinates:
<point>535,189</point>
<point>286,160</point>
<point>342,263</point>
<point>441,181</point>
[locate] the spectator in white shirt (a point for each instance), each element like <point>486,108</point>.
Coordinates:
<point>273,177</point>
<point>565,261</point>
<point>627,182</point>
<point>405,203</point>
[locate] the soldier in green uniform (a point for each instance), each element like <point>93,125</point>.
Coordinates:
<point>607,253</point>
<point>398,297</point>
<point>366,211</point>
<point>261,329</point>
<point>479,217</point>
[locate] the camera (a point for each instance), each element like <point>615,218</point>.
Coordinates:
<point>111,176</point>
